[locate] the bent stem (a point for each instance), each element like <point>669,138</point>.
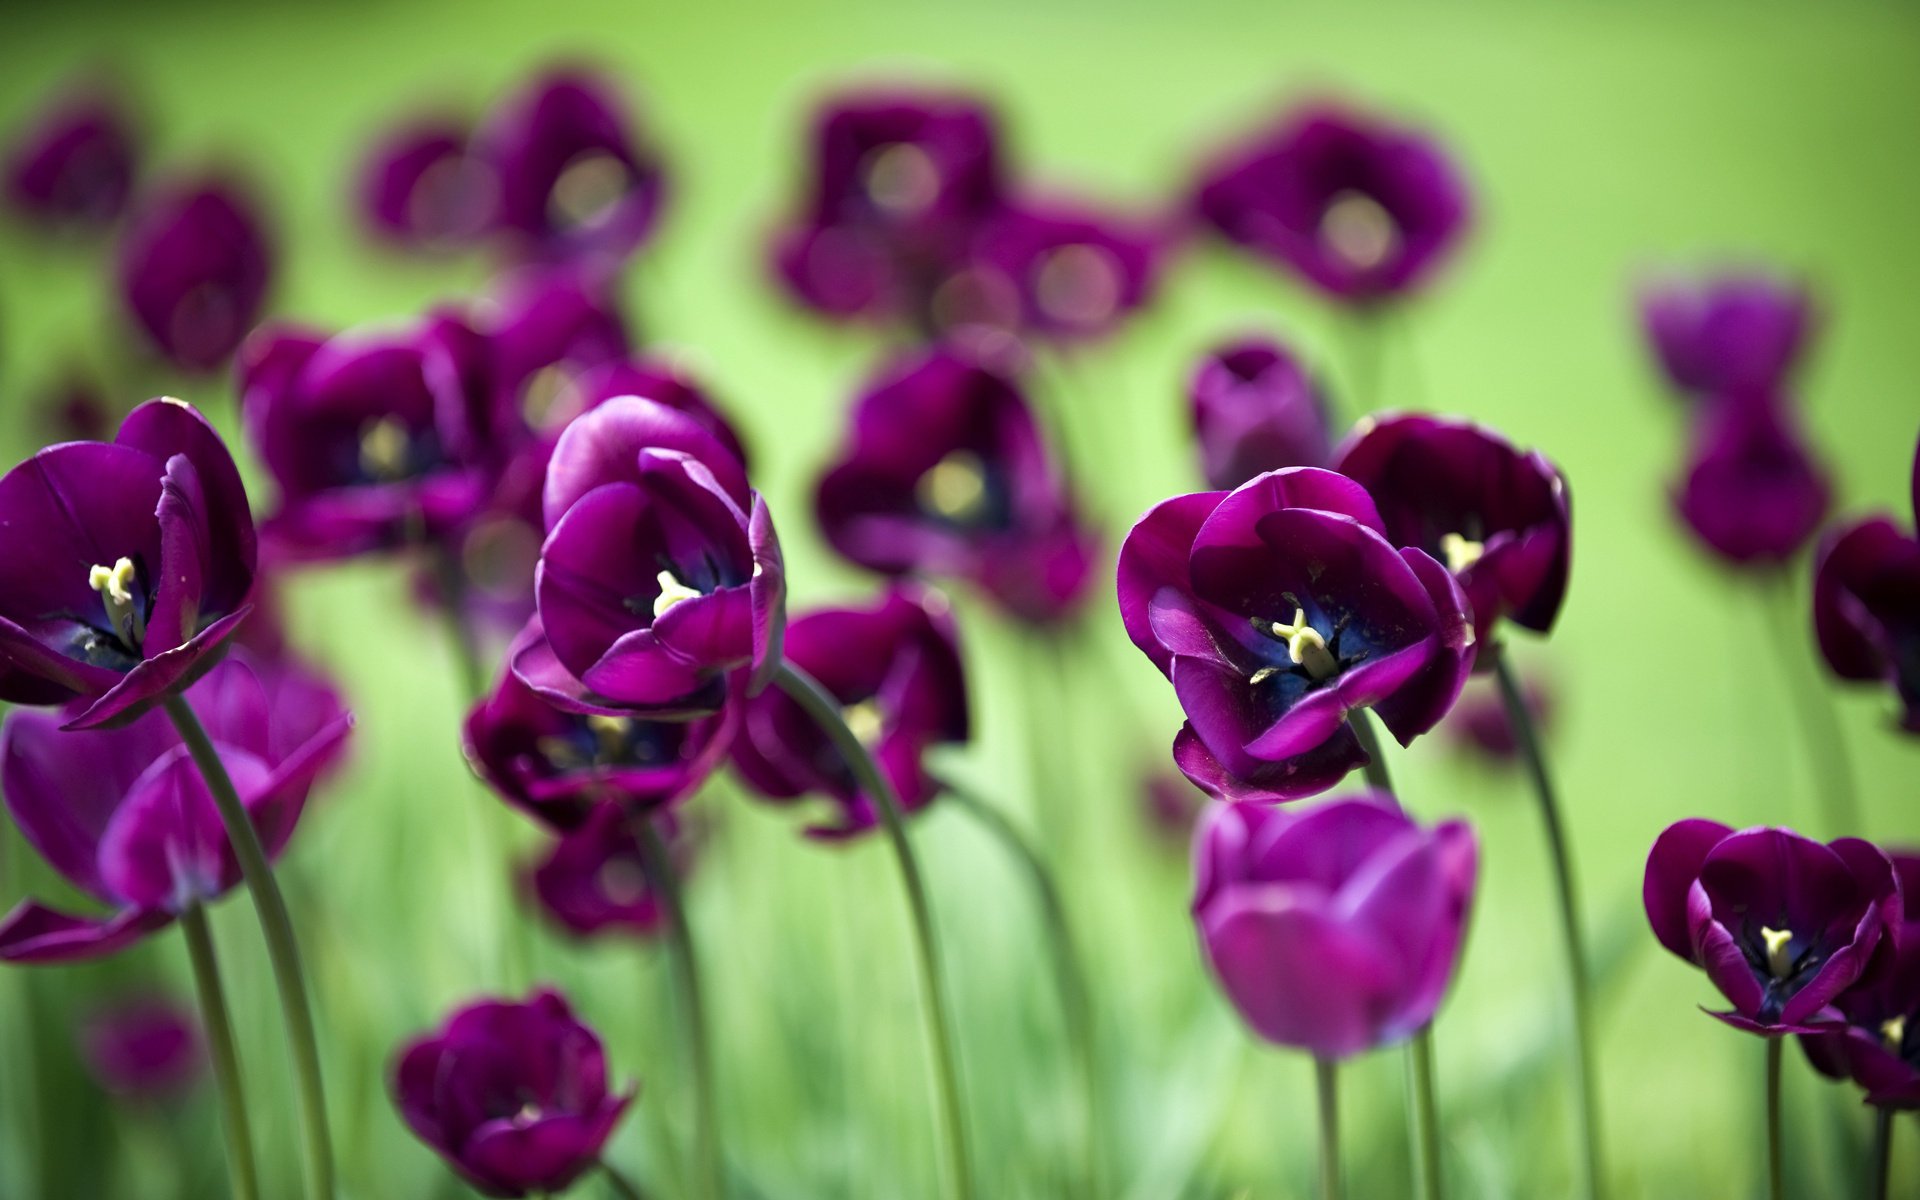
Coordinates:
<point>283,950</point>
<point>1882,1151</point>
<point>1572,934</point>
<point>1325,1080</point>
<point>226,1063</point>
<point>1824,742</point>
<point>1776,1178</point>
<point>1069,970</point>
<point>658,865</point>
<point>825,712</point>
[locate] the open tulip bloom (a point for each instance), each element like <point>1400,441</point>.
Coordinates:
<point>1276,610</point>
<point>1737,333</point>
<point>1866,604</point>
<point>1877,1045</point>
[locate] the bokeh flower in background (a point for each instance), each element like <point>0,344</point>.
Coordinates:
<point>1256,409</point>
<point>195,264</point>
<point>544,325</point>
<point>1780,923</point>
<point>147,1049</point>
<point>1735,333</point>
<point>1479,722</point>
<point>1052,270</point>
<point>514,1095</point>
<point>1277,609</point>
<point>894,667</point>
<point>1752,492</point>
<point>419,186</point>
<point>594,879</point>
<point>75,162</point>
<point>1334,928</point>
<point>1866,605</point>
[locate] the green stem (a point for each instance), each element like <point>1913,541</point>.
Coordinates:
<point>226,1063</point>
<point>1361,723</point>
<point>1821,736</point>
<point>452,583</point>
<point>1776,1177</point>
<point>622,1187</point>
<point>1326,1086</point>
<point>282,948</point>
<point>1882,1152</point>
<point>1426,1114</point>
<point>661,877</point>
<point>1070,973</point>
<point>825,712</point>
<point>1571,930</point>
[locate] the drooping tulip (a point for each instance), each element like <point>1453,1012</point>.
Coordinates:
<point>1866,605</point>
<point>1740,333</point>
<point>1255,409</point>
<point>194,267</point>
<point>1752,494</point>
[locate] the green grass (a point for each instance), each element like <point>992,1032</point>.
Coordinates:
<point>1601,141</point>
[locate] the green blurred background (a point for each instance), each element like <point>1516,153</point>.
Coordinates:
<point>1601,141</point>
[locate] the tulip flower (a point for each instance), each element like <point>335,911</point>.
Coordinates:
<point>1866,605</point>
<point>1051,270</point>
<point>544,326</point>
<point>377,439</point>
<point>1255,409</point>
<point>1336,928</point>
<point>1499,519</point>
<point>419,186</point>
<point>944,473</point>
<point>1481,724</point>
<point>894,668</point>
<point>1275,610</point>
<point>124,816</point>
<point>557,766</point>
<point>145,1049</point>
<point>128,565</point>
<point>73,163</point>
<point>1172,806</point>
<point>1739,333</point>
<point>1780,923</point>
<point>594,878</point>
<point>513,1095</point>
<point>1360,210</point>
<point>1878,1046</point>
<point>194,268</point>
<point>661,577</point>
<point>1753,494</point>
<point>575,181</point>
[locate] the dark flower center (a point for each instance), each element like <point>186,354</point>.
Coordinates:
<point>962,490</point>
<point>389,452</point>
<point>125,603</point>
<point>588,190</point>
<point>1316,650</point>
<point>603,741</point>
<point>901,179</point>
<point>1359,230</point>
<point>1782,960</point>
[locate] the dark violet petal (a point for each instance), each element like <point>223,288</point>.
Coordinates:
<point>1154,557</point>
<point>1672,867</point>
<point>32,933</point>
<point>156,678</point>
<point>603,446</point>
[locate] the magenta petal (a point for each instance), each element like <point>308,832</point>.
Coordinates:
<point>33,933</point>
<point>1308,724</point>
<point>711,632</point>
<point>1672,866</point>
<point>603,446</point>
<point>1154,557</point>
<point>185,559</point>
<point>1298,977</point>
<point>156,678</point>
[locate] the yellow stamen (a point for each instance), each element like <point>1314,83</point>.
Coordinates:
<point>609,735</point>
<point>672,592</point>
<point>1779,959</point>
<point>955,487</point>
<point>1079,284</point>
<point>1358,229</point>
<point>586,189</point>
<point>1306,647</point>
<point>560,752</point>
<point>902,179</point>
<point>864,720</point>
<point>383,450</point>
<point>1893,1033</point>
<point>1461,552</point>
<point>115,585</point>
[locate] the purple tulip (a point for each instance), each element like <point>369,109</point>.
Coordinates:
<point>557,766</point>
<point>895,670</point>
<point>1879,1045</point>
<point>594,878</point>
<point>575,182</point>
<point>1498,518</point>
<point>1172,806</point>
<point>74,162</point>
<point>194,269</point>
<point>1866,605</point>
<point>124,816</point>
<point>1052,270</point>
<point>1780,923</point>
<point>146,1049</point>
<point>1753,494</point>
<point>1336,928</point>
<point>544,326</point>
<point>945,473</point>
<point>1278,608</point>
<point>419,186</point>
<point>127,565</point>
<point>1479,723</point>
<point>661,577</point>
<point>1737,333</point>
<point>1255,409</point>
<point>513,1095</point>
<point>650,379</point>
<point>377,438</point>
<point>1360,210</point>
<point>900,183</point>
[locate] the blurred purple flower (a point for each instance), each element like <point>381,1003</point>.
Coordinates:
<point>1172,806</point>
<point>1866,604</point>
<point>194,268</point>
<point>1052,270</point>
<point>895,670</point>
<point>1500,520</point>
<point>1732,334</point>
<point>1878,1047</point>
<point>418,186</point>
<point>575,181</point>
<point>124,565</point>
<point>146,1049</point>
<point>124,816</point>
<point>1276,610</point>
<point>944,473</point>
<point>1336,928</point>
<point>513,1095</point>
<point>661,578</point>
<point>544,326</point>
<point>1753,494</point>
<point>1479,723</point>
<point>1255,409</point>
<point>1359,209</point>
<point>74,161</point>
<point>1780,923</point>
<point>594,878</point>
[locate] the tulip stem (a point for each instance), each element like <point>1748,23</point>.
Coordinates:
<point>825,712</point>
<point>226,1063</point>
<point>622,1187</point>
<point>283,950</point>
<point>658,865</point>
<point>1572,933</point>
<point>1776,1177</point>
<point>452,585</point>
<point>1426,1114</point>
<point>1070,974</point>
<point>1361,723</point>
<point>1326,1081</point>
<point>1882,1152</point>
<point>1821,736</point>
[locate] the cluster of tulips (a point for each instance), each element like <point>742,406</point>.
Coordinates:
<point>582,515</point>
